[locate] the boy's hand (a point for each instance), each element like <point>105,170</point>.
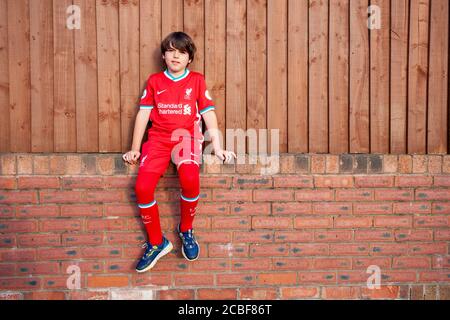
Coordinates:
<point>132,157</point>
<point>225,155</point>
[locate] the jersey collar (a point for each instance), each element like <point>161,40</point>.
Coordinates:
<point>171,77</point>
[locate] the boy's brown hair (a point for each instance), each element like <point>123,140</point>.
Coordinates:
<point>180,41</point>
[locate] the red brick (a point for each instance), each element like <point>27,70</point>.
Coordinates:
<point>251,264</point>
<point>176,294</point>
<point>258,293</point>
<point>267,250</point>
<point>38,211</point>
<point>8,183</point>
<point>334,293</point>
<point>431,221</point>
<point>412,207</point>
<point>295,263</point>
<point>251,182</point>
<point>45,295</point>
<point>152,279</point>
<point>6,211</point>
<point>274,195</point>
<point>201,279</point>
<point>217,294</point>
<point>314,195</point>
<point>232,195</point>
<point>82,182</point>
<point>35,182</point>
<point>20,283</point>
<point>307,222</point>
<point>121,210</point>
<point>332,208</point>
<point>330,181</point>
<point>277,278</point>
<point>374,181</point>
<point>81,210</point>
<point>434,276</point>
<point>60,196</point>
<point>332,236</point>
<point>87,295</point>
<point>104,196</point>
<point>227,250</point>
<point>411,262</point>
<point>354,195</point>
<point>365,262</point>
<point>208,237</point>
<point>95,266</point>
<point>11,296</point>
<point>241,279</point>
<point>394,194</point>
<point>373,208</point>
<point>433,194</point>
<point>252,236</point>
<point>427,248</point>
<point>11,197</point>
<point>101,252</point>
<point>63,225</point>
<point>291,208</point>
<point>293,181</point>
<point>441,234</point>
<point>7,226</point>
<point>441,207</point>
<point>272,223</point>
<point>107,281</point>
<point>413,235</point>
<point>413,181</point>
<point>442,181</point>
<point>294,236</point>
<point>39,240</point>
<point>309,249</point>
<point>384,249</point>
<point>299,292</point>
<point>106,224</point>
<point>79,239</point>
<point>374,235</point>
<point>393,222</point>
<point>349,249</point>
<point>7,254</point>
<point>332,263</point>
<point>126,182</point>
<point>351,222</point>
<point>384,292</point>
<point>220,223</point>
<point>211,265</point>
<point>66,253</point>
<point>7,240</point>
<point>317,277</point>
<point>250,209</point>
<point>207,208</point>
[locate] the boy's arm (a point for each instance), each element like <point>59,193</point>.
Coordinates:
<point>212,127</point>
<point>140,125</point>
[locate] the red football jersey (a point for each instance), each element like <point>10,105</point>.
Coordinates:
<point>176,103</point>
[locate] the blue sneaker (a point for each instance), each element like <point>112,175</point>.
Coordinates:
<point>190,248</point>
<point>153,254</point>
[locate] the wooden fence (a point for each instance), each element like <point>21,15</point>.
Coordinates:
<point>312,69</point>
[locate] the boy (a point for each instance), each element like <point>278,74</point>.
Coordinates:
<point>174,100</point>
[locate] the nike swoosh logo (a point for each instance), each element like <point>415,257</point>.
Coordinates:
<point>159,92</point>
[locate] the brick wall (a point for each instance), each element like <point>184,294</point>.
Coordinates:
<point>310,231</point>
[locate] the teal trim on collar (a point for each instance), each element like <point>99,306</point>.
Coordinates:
<point>171,77</point>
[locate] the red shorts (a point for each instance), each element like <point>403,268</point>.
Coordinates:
<point>158,150</point>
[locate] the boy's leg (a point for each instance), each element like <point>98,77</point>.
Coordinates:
<point>189,176</point>
<point>145,193</point>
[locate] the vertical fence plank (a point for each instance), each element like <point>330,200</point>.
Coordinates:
<point>41,74</point>
<point>4,79</point>
<point>194,26</point>
<point>277,71</point>
<point>418,74</point>
<point>236,102</point>
<point>86,78</point>
<point>318,76</point>
<point>399,74</point>
<point>65,129</point>
<point>215,56</point>
<point>339,77</point>
<point>19,75</point>
<point>129,68</point>
<point>150,40</point>
<point>172,16</point>
<point>297,70</point>
<point>379,78</point>
<point>438,127</point>
<point>108,75</point>
<point>256,68</point>
<point>359,77</point>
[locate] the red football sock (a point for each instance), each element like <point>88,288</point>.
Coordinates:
<point>189,175</point>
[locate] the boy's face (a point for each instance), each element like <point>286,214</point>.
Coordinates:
<point>176,60</point>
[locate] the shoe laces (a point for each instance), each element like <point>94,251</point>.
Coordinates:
<point>188,238</point>
<point>149,249</point>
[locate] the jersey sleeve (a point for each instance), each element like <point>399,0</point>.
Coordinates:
<point>147,100</point>
<point>204,101</point>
